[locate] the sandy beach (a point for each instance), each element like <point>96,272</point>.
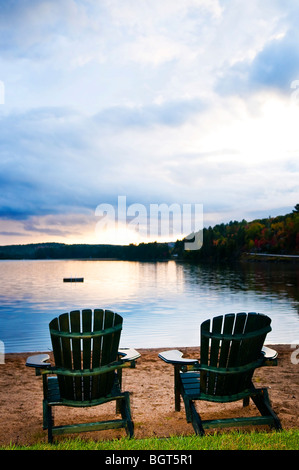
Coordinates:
<point>152,399</point>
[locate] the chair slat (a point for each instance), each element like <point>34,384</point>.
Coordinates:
<point>106,381</point>
<point>214,354</point>
<point>97,326</point>
<point>204,353</point>
<point>86,327</point>
<point>97,350</point>
<point>236,358</point>
<point>75,319</point>
<point>64,325</point>
<point>57,349</point>
<point>56,343</point>
<point>222,380</point>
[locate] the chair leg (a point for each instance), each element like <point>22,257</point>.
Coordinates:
<point>187,403</point>
<point>118,407</point>
<point>193,417</point>
<point>263,404</point>
<point>118,379</point>
<point>177,388</point>
<point>50,424</point>
<point>126,414</point>
<point>196,420</point>
<point>245,402</point>
<point>45,414</point>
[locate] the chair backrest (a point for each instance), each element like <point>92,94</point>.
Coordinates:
<point>231,348</point>
<point>85,341</point>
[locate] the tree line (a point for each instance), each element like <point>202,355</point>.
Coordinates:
<point>223,242</point>
<point>143,251</point>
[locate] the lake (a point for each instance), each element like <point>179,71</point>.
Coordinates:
<point>162,303</point>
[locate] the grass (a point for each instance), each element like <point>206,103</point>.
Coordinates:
<point>284,440</point>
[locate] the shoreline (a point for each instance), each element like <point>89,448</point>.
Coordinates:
<point>145,348</point>
<point>152,398</point>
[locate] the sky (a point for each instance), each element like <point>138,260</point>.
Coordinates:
<point>193,103</point>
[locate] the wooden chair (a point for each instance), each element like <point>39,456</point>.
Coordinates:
<point>231,349</point>
<point>87,370</point>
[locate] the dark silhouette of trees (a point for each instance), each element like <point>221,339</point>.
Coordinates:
<point>223,242</point>
<point>143,251</point>
<point>228,242</point>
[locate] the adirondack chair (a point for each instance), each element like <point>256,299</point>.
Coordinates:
<point>231,349</point>
<point>88,369</point>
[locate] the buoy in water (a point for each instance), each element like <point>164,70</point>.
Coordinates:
<point>73,279</point>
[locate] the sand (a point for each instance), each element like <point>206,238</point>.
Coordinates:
<point>152,399</point>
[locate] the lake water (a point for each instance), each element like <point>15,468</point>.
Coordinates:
<point>162,303</point>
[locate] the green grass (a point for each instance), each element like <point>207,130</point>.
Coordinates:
<point>284,440</point>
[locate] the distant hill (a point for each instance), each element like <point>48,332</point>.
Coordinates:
<point>143,251</point>
<point>221,243</point>
<point>228,242</point>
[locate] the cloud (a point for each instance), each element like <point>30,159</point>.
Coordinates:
<point>162,102</point>
<point>63,160</point>
<point>32,27</point>
<point>171,113</point>
<point>272,64</point>
<point>277,65</point>
<point>65,163</point>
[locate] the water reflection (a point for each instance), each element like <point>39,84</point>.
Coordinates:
<point>162,303</point>
<point>281,280</point>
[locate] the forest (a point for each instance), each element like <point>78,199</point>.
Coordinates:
<point>143,251</point>
<point>228,242</point>
<point>222,243</point>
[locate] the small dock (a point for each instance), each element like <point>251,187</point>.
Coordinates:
<point>73,279</point>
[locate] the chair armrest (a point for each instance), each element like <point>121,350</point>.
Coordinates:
<point>175,356</point>
<point>38,362</point>
<point>128,354</point>
<point>270,356</point>
<point>269,353</point>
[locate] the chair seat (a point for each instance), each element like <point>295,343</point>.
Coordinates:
<point>54,398</point>
<point>53,394</point>
<point>190,382</point>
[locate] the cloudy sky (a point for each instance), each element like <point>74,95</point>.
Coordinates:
<point>174,102</point>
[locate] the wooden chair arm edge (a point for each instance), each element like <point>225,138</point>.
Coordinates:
<point>128,354</point>
<point>175,357</point>
<point>270,356</point>
<point>38,361</point>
